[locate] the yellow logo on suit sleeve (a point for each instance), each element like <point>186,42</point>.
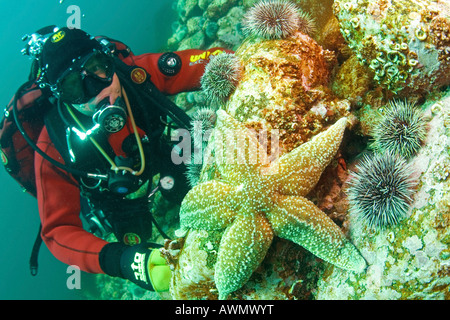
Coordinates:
<point>205,55</point>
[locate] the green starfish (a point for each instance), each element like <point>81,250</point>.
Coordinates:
<point>255,200</point>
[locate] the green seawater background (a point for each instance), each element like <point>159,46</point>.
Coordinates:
<point>144,25</point>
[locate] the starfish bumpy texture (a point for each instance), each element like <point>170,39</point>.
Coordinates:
<point>253,201</point>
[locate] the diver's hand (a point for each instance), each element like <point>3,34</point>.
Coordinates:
<point>141,264</point>
<point>145,267</point>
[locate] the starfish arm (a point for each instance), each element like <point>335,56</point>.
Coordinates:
<point>237,151</point>
<point>297,172</point>
<point>242,249</point>
<point>204,207</point>
<point>299,220</point>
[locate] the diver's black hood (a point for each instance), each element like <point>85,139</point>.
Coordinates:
<point>62,48</point>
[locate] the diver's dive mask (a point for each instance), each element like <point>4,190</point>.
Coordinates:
<point>88,76</point>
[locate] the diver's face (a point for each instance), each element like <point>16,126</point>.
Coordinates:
<point>111,92</point>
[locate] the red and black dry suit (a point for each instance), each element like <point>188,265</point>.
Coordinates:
<point>58,192</point>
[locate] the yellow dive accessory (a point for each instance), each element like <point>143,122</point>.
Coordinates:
<point>159,272</point>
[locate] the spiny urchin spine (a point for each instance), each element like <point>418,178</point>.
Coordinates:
<point>193,173</point>
<point>380,191</point>
<point>272,19</point>
<point>277,19</point>
<point>401,130</point>
<point>202,123</point>
<point>306,23</point>
<point>221,76</point>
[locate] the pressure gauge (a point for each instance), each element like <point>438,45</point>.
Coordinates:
<point>167,183</point>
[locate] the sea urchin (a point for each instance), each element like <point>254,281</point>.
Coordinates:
<point>306,23</point>
<point>193,173</point>
<point>401,130</point>
<point>221,77</point>
<point>272,19</point>
<point>380,190</point>
<point>202,123</point>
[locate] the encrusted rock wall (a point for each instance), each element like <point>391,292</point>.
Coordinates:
<point>363,54</point>
<point>405,44</point>
<point>408,261</point>
<point>412,259</point>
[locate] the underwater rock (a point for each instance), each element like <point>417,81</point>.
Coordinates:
<point>218,8</point>
<point>320,11</point>
<point>195,24</point>
<point>330,38</point>
<point>186,8</point>
<point>412,259</point>
<point>404,43</point>
<point>285,86</point>
<point>229,28</point>
<point>197,40</point>
<point>207,24</point>
<point>203,4</point>
<point>180,32</point>
<point>285,273</point>
<point>210,29</point>
<point>352,80</point>
<point>193,277</point>
<point>121,289</point>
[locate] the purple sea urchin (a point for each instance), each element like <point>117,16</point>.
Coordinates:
<point>272,19</point>
<point>401,130</point>
<point>380,191</point>
<point>221,77</point>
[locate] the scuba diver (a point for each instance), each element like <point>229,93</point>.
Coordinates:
<point>104,138</point>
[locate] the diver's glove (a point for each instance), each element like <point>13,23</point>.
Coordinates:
<point>141,264</point>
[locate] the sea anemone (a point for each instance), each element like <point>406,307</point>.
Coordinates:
<point>380,190</point>
<point>203,121</point>
<point>401,130</point>
<point>221,76</point>
<point>272,19</point>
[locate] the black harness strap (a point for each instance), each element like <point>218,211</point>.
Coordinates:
<point>35,253</point>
